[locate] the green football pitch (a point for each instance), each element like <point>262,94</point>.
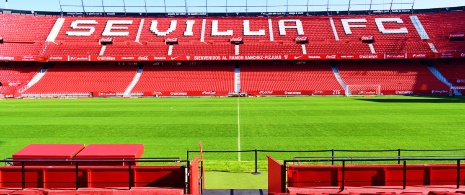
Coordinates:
<point>169,127</point>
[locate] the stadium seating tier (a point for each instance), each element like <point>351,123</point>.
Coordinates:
<point>84,78</point>
<point>406,76</point>
<point>34,31</point>
<point>287,77</point>
<point>205,77</point>
<point>14,76</point>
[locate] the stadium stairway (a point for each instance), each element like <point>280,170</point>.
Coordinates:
<point>338,77</point>
<point>127,92</point>
<point>237,80</point>
<point>102,50</point>
<point>433,48</point>
<point>419,27</point>
<point>443,79</point>
<point>372,49</point>
<point>34,80</point>
<point>304,49</point>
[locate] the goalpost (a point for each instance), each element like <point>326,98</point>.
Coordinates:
<point>364,89</point>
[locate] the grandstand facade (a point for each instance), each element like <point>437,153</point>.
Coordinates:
<point>403,53</point>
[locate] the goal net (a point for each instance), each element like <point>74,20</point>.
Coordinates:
<point>366,89</point>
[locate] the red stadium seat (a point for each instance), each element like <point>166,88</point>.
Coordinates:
<point>391,76</point>
<point>16,75</point>
<point>84,78</point>
<point>280,77</point>
<point>208,77</point>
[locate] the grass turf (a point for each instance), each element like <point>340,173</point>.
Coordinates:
<point>169,127</point>
<point>225,180</point>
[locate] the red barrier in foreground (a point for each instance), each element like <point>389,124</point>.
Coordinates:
<point>276,177</point>
<point>292,174</point>
<point>373,175</point>
<point>194,187</point>
<point>110,151</point>
<point>92,176</point>
<point>48,151</point>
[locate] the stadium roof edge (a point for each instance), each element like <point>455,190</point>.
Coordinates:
<point>202,14</point>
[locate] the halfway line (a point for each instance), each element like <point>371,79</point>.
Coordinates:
<point>238,131</point>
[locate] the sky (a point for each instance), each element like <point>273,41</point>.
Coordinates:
<point>219,5</point>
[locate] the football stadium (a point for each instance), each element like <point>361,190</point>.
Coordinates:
<point>351,97</point>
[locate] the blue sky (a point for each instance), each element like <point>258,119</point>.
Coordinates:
<point>219,5</point>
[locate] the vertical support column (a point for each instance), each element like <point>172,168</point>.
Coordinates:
<point>283,178</point>
<point>23,176</point>
<point>404,180</point>
<point>83,9</point>
<point>343,175</point>
<point>77,176</point>
<point>103,7</point>
<point>256,163</point>
<point>201,177</point>
<point>332,156</point>
<point>458,174</point>
<point>124,7</point>
<point>398,156</point>
<point>188,183</point>
<point>130,179</point>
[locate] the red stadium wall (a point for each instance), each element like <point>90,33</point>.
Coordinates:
<point>291,177</point>
<point>194,179</point>
<point>372,175</point>
<point>98,166</point>
<point>93,176</point>
<point>276,177</point>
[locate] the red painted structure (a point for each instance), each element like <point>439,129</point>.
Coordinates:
<point>110,151</point>
<point>282,177</point>
<point>276,176</point>
<point>194,179</point>
<point>82,175</point>
<point>47,152</point>
<point>93,176</point>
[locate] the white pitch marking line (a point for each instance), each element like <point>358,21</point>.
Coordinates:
<point>238,131</point>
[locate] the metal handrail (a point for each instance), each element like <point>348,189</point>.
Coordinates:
<point>333,153</point>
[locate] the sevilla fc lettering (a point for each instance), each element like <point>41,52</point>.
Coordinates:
<point>205,28</point>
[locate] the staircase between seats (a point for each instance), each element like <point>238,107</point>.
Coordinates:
<point>127,92</point>
<point>34,80</point>
<point>443,79</point>
<point>339,78</point>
